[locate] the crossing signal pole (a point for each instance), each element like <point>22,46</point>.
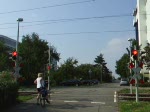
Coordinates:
<point>135,57</point>
<point>49,65</point>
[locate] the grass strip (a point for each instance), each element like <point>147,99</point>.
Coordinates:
<point>132,106</point>
<point>24,98</point>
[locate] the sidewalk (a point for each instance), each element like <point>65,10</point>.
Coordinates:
<point>29,106</point>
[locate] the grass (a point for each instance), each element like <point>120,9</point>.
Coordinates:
<point>132,106</point>
<point>27,88</point>
<point>147,91</point>
<point>24,98</point>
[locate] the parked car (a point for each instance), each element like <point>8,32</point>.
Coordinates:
<point>124,82</point>
<point>89,82</point>
<point>86,82</point>
<point>95,81</point>
<point>73,82</point>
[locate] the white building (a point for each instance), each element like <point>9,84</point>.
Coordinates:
<point>141,23</point>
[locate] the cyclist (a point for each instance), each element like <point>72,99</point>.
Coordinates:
<point>39,81</point>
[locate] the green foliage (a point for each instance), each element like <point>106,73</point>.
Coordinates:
<point>4,60</point>
<point>122,68</point>
<point>8,89</point>
<point>99,59</point>
<point>147,57</point>
<point>32,50</point>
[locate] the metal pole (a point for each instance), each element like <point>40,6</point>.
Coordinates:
<point>16,61</point>
<point>49,70</point>
<point>101,72</point>
<point>136,81</point>
<point>130,70</point>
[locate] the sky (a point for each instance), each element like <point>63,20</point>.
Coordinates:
<point>81,29</point>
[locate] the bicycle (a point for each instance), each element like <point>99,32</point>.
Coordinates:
<point>42,97</point>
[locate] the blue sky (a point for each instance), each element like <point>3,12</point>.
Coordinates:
<point>84,47</point>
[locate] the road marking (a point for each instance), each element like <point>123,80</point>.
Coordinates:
<point>71,101</point>
<point>115,96</point>
<point>98,102</point>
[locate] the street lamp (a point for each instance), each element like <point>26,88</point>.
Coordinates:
<point>16,62</point>
<point>19,20</point>
<point>90,73</point>
<point>102,64</point>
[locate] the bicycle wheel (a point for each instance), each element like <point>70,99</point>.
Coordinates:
<point>42,101</point>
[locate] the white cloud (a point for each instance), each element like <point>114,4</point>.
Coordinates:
<point>113,51</point>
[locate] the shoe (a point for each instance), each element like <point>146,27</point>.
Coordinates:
<point>47,101</point>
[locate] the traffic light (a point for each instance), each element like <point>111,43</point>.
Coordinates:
<point>135,54</point>
<point>14,55</point>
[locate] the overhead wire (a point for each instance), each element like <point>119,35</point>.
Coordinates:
<point>64,20</point>
<point>50,6</point>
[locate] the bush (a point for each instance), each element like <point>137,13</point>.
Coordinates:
<point>146,84</point>
<point>8,90</point>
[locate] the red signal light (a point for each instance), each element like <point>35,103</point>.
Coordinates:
<point>14,53</point>
<point>135,52</point>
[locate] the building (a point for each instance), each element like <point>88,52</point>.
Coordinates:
<point>10,43</point>
<point>141,23</point>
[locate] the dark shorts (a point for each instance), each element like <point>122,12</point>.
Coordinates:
<point>38,90</point>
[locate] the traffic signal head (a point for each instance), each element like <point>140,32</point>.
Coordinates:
<point>135,54</point>
<point>14,55</point>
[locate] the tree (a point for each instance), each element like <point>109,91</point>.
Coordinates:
<point>99,59</point>
<point>147,57</point>
<point>122,66</point>
<point>5,63</point>
<point>31,49</point>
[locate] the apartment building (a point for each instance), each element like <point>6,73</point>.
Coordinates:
<point>10,43</point>
<point>141,23</point>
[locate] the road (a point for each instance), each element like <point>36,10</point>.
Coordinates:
<point>99,98</point>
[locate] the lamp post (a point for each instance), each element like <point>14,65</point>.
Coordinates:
<point>19,20</point>
<point>101,72</point>
<point>90,72</point>
<point>16,62</point>
<point>102,64</point>
<point>130,40</point>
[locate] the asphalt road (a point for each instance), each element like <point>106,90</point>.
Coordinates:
<point>99,98</point>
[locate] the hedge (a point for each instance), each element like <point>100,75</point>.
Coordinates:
<point>8,90</point>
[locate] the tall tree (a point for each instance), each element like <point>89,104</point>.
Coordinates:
<point>33,57</point>
<point>99,59</point>
<point>122,68</point>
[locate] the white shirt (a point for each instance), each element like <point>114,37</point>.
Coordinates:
<point>40,82</point>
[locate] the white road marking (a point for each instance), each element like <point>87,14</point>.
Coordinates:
<point>115,96</point>
<point>98,102</point>
<point>71,101</point>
